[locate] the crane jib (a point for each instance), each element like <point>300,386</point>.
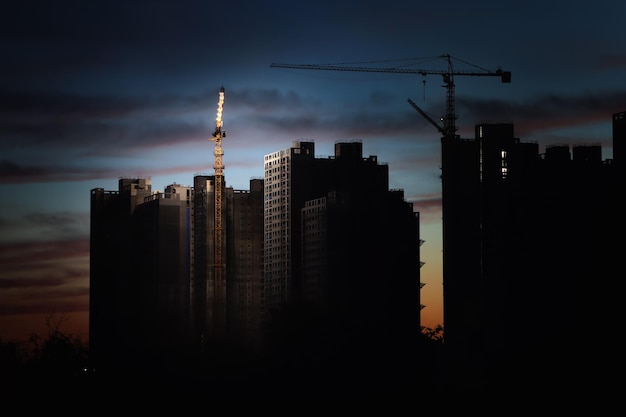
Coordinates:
<point>449,119</point>
<point>505,75</point>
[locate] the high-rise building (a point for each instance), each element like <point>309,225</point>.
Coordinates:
<point>240,322</point>
<point>139,274</point>
<point>527,254</point>
<point>113,318</point>
<point>324,237</point>
<point>292,177</point>
<point>161,263</point>
<point>339,240</point>
<point>202,261</point>
<point>244,266</point>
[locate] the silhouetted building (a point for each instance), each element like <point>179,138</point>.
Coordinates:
<point>113,290</point>
<point>240,322</point>
<point>204,314</point>
<point>360,251</point>
<point>139,274</point>
<point>321,258</point>
<point>161,266</point>
<point>152,265</point>
<point>345,249</point>
<point>244,265</point>
<point>528,251</point>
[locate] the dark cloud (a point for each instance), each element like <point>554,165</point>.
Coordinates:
<point>264,100</point>
<point>62,221</point>
<point>610,62</point>
<point>16,283</point>
<point>427,205</point>
<point>53,105</point>
<point>95,124</point>
<point>114,125</point>
<point>98,23</point>
<point>293,113</point>
<point>429,209</point>
<point>14,173</point>
<point>109,125</point>
<point>547,111</point>
<point>44,277</point>
<point>16,256</point>
<point>18,173</point>
<point>11,172</point>
<point>59,302</point>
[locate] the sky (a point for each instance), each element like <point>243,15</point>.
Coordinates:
<point>95,91</point>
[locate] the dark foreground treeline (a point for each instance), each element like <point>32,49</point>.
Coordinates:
<point>306,362</point>
<point>311,363</point>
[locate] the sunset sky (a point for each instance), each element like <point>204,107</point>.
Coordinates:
<point>97,90</point>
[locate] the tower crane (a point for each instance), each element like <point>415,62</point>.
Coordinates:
<point>218,265</point>
<point>449,120</point>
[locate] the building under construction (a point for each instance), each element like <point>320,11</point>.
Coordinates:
<point>139,275</point>
<point>235,316</point>
<point>530,254</point>
<point>208,270</point>
<point>342,253</point>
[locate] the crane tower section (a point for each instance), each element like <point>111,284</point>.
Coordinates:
<point>218,166</point>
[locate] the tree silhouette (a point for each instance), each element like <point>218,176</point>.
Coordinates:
<point>44,364</point>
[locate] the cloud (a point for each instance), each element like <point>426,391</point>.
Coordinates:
<point>547,112</point>
<point>43,227</point>
<point>16,173</point>
<point>429,208</point>
<point>96,124</point>
<point>44,277</point>
<point>16,255</point>
<point>71,137</point>
<point>610,62</point>
<point>48,303</point>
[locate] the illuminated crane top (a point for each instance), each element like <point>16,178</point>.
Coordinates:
<point>219,134</point>
<point>218,118</point>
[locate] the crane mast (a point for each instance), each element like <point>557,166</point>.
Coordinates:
<point>449,120</point>
<point>218,265</point>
